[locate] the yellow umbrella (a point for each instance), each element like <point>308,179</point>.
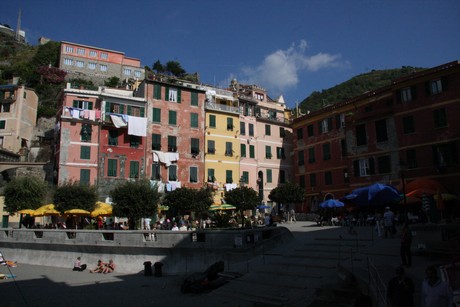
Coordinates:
<point>216,207</point>
<point>77,212</point>
<point>27,211</point>
<point>102,209</point>
<point>46,210</point>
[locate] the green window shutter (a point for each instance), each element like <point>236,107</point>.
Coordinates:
<point>142,111</point>
<point>112,168</point>
<point>156,142</point>
<point>167,93</point>
<point>134,169</point>
<point>84,176</point>
<point>156,115</point>
<point>122,109</point>
<point>194,99</point>
<point>75,104</point>
<point>85,152</point>
<point>107,107</point>
<point>193,174</point>
<point>245,177</point>
<point>179,96</point>
<point>2,124</point>
<point>269,175</point>
<point>194,120</point>
<point>243,150</point>
<point>172,173</point>
<point>195,146</point>
<point>229,123</point>
<point>157,91</point>
<point>113,137</point>
<point>252,151</point>
<point>172,118</point>
<point>211,177</point>
<point>212,121</point>
<point>129,110</point>
<point>228,176</point>
<point>90,105</point>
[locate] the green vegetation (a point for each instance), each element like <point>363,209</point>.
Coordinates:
<point>24,193</point>
<point>187,200</point>
<point>73,195</point>
<point>243,198</point>
<point>356,86</point>
<point>288,193</point>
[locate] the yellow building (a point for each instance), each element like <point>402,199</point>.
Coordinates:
<point>222,144</point>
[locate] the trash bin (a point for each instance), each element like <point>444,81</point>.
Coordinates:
<point>158,269</point>
<point>147,268</point>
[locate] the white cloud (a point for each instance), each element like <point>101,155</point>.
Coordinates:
<point>280,70</point>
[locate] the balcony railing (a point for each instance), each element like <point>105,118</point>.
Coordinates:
<point>212,105</point>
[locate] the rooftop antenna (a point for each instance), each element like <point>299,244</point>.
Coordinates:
<point>18,26</point>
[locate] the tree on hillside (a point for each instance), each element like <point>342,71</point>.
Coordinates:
<point>47,54</point>
<point>243,198</point>
<point>24,193</point>
<point>51,75</point>
<point>135,200</point>
<point>73,195</point>
<point>175,69</point>
<point>286,194</point>
<point>186,200</point>
<point>112,82</point>
<point>158,67</point>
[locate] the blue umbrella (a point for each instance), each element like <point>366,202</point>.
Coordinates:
<point>376,194</point>
<point>331,203</point>
<point>263,207</point>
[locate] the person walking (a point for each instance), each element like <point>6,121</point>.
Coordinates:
<point>435,292</point>
<point>400,291</point>
<point>406,242</point>
<point>292,216</point>
<point>388,220</point>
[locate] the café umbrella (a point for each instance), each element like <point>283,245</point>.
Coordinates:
<point>332,203</point>
<point>102,209</point>
<point>217,207</point>
<point>27,211</point>
<point>77,212</point>
<point>46,210</point>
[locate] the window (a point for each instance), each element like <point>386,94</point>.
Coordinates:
<point>361,138</point>
<point>93,53</point>
<point>411,158</point>
<point>68,62</point>
<point>440,118</point>
<point>172,119</point>
<point>5,108</point>
<point>80,51</point>
<point>134,141</point>
<point>280,153</point>
<point>1,141</point>
<point>211,147</point>
<point>435,87</point>
<point>112,168</point>
<point>245,177</point>
<point>135,111</point>
<point>302,181</point>
<point>252,151</point>
<point>326,151</point>
<point>92,65</point>
<point>363,167</point>
<point>193,174</point>
<point>134,169</point>
<point>82,104</point>
<point>384,164</point>
<point>282,176</point>
<point>301,158</point>
<point>406,94</point>
<point>312,180</point>
<point>79,63</point>
<point>228,149</point>
<point>172,143</point>
<point>85,133</point>
<point>68,49</point>
<point>84,176</point>
<point>340,121</point>
<point>194,146</point>
<point>194,120</point>
<point>156,141</point>
<point>326,125</point>
<point>156,115</point>
<point>445,155</point>
<point>269,176</point>
<point>310,130</point>
<point>299,133</point>
<point>172,173</point>
<point>212,121</point>
<point>243,150</point>
<point>156,171</point>
<point>2,124</point>
<point>103,67</point>
<point>268,152</point>
<point>137,73</point>
<point>211,177</point>
<point>311,155</point>
<point>346,177</point>
<point>85,152</point>
<point>343,146</point>
<point>117,108</point>
<point>194,98</point>
<point>282,132</point>
<point>229,124</point>
<point>268,130</point>
<point>127,72</point>
<point>157,91</point>
<point>327,178</point>
<point>251,129</point>
<point>104,55</point>
<point>242,128</point>
<point>381,130</point>
<point>408,125</point>
<point>113,137</point>
<point>228,176</point>
<point>173,94</point>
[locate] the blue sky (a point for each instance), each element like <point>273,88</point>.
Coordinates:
<point>290,47</point>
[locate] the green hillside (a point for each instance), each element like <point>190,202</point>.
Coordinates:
<point>354,87</point>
